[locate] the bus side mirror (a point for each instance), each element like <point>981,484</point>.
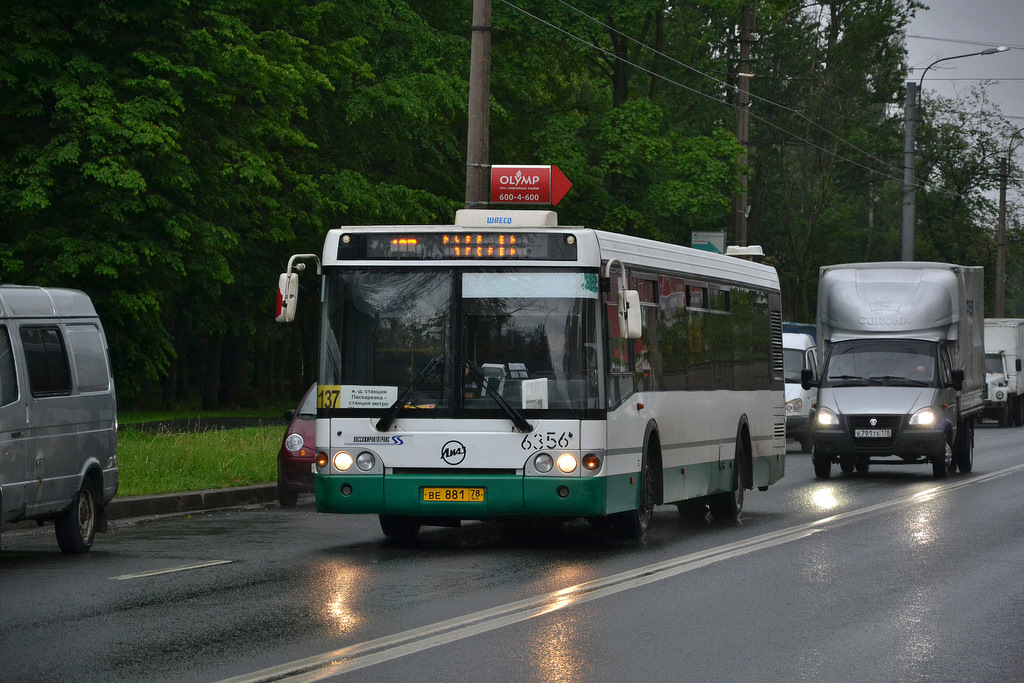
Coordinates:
<point>807,378</point>
<point>958,380</point>
<point>629,314</point>
<point>287,297</point>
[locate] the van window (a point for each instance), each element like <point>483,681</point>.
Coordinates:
<point>8,376</point>
<point>90,361</point>
<point>47,361</point>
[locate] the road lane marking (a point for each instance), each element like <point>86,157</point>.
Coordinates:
<point>386,648</point>
<point>171,570</point>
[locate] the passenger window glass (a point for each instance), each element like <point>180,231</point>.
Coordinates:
<point>8,375</point>
<point>90,360</point>
<point>47,361</point>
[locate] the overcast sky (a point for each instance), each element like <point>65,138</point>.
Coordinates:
<point>956,27</point>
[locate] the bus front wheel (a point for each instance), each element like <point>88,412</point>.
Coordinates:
<point>400,528</point>
<point>633,525</point>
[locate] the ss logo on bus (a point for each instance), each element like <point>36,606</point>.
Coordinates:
<point>453,452</point>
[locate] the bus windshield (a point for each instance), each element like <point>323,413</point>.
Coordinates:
<point>461,343</point>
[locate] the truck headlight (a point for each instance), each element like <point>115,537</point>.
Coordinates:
<point>826,418</point>
<point>794,406</point>
<point>923,417</point>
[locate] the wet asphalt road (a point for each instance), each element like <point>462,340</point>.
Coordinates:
<point>892,576</point>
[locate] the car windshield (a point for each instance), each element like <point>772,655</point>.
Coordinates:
<point>443,342</point>
<point>885,362</point>
<point>308,406</point>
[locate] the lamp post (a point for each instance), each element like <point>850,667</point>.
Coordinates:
<point>910,124</point>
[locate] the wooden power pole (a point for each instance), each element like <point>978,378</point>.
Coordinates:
<point>478,177</point>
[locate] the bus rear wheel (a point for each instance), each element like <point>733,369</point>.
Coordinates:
<point>730,505</point>
<point>400,528</point>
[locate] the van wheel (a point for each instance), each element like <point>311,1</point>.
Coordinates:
<point>822,465</point>
<point>76,526</point>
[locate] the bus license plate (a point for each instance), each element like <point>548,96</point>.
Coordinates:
<point>462,494</point>
<point>872,433</point>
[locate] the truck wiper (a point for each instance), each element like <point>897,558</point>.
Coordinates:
<point>900,379</point>
<point>848,378</point>
<point>517,418</point>
<point>384,423</point>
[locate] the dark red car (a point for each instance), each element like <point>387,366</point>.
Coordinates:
<point>295,459</point>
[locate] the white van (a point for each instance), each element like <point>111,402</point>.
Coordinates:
<point>799,353</point>
<point>58,414</point>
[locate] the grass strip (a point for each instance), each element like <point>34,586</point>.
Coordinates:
<point>169,462</point>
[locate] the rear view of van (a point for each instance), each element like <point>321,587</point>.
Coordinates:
<point>58,413</point>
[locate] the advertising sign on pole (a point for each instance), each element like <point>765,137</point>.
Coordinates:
<point>708,241</point>
<point>528,185</point>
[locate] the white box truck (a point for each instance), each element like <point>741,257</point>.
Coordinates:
<point>903,375</point>
<point>1004,342</point>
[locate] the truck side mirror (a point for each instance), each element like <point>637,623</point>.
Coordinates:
<point>807,379</point>
<point>958,380</point>
<point>287,297</point>
<point>629,314</point>
<point>1018,365</point>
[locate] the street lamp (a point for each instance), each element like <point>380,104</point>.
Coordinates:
<point>910,124</point>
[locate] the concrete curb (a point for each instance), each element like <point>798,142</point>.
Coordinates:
<point>190,501</point>
<point>174,503</point>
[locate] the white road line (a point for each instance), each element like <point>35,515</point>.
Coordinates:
<point>383,649</point>
<point>171,570</point>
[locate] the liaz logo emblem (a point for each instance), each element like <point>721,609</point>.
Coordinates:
<point>453,452</point>
<point>873,422</point>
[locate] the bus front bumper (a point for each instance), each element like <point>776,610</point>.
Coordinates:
<point>503,495</point>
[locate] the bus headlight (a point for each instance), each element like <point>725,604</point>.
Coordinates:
<point>567,462</point>
<point>321,459</point>
<point>923,417</point>
<point>342,461</point>
<point>826,418</point>
<point>543,462</point>
<point>591,462</point>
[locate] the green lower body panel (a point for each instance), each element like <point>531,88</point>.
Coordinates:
<point>503,495</point>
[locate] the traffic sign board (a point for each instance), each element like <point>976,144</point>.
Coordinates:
<point>528,184</point>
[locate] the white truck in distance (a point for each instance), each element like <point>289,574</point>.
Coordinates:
<point>903,375</point>
<point>1004,342</point>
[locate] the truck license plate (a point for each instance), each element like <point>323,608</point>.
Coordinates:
<point>872,433</point>
<point>460,494</point>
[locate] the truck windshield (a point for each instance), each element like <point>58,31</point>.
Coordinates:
<point>994,363</point>
<point>882,362</point>
<point>444,342</point>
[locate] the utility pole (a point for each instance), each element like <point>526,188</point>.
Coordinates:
<point>478,165</point>
<point>909,189</point>
<point>1000,309</point>
<point>739,202</point>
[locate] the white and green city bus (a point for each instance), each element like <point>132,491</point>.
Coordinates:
<point>507,367</point>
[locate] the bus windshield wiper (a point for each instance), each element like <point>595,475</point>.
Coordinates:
<point>384,423</point>
<point>517,418</point>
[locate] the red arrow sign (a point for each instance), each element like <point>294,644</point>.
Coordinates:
<point>528,185</point>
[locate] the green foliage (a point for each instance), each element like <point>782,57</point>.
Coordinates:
<point>168,158</point>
